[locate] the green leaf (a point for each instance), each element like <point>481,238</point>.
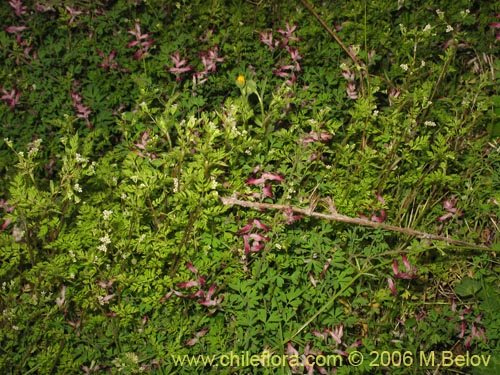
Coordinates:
<point>467,287</point>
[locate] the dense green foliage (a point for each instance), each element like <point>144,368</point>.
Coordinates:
<point>124,123</point>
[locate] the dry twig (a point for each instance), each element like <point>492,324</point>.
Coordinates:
<point>230,201</point>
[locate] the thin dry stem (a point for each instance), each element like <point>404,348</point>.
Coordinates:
<point>231,201</point>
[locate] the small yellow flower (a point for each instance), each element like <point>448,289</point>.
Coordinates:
<point>240,80</point>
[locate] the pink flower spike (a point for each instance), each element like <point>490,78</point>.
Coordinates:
<point>392,287</point>
<point>291,351</point>
<point>246,229</point>
<point>270,176</point>
<point>5,224</point>
<point>405,262</point>
<point>211,290</point>
<point>187,284</point>
<point>108,298</point>
<point>395,267</point>
<point>348,75</point>
<point>281,74</point>
<point>166,297</point>
<point>463,326</point>
<point>15,29</point>
<point>267,39</point>
<point>260,225</point>
<point>445,216</point>
<point>191,342</point>
<point>380,198</point>
<point>291,218</point>
<point>323,335</point>
<point>361,216</point>
<point>351,91</point>
<point>190,267</point>
<point>105,284</point>
<point>255,181</point>
<point>495,25</point>
<point>202,333</point>
<point>267,191</point>
<point>258,237</point>
<point>289,31</point>
<point>449,205</point>
<point>377,219</point>
<point>202,280</point>
<point>19,8</point>
<point>246,242</point>
<point>294,54</point>
<point>257,246</point>
<point>337,333</point>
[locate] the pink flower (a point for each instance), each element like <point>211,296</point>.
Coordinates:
<point>267,39</point>
<point>337,333</point>
<point>380,198</point>
<point>294,54</point>
<point>5,224</point>
<point>105,284</point>
<point>315,137</point>
<point>142,146</point>
<point>392,287</point>
<point>11,98</point>
<point>287,34</point>
<point>108,63</point>
<point>196,338</point>
<point>381,218</point>
<point>393,94</point>
<point>190,267</point>
<point>141,41</point>
<point>179,66</point>
<point>208,300</point>
<point>412,271</point>
<point>267,191</point>
<point>271,176</point>
<point>19,8</point>
<point>351,91</point>
<point>188,284</point>
<point>449,206</point>
<point>349,75</point>
<point>83,111</point>
<point>73,13</point>
<point>281,74</point>
<point>107,298</point>
<point>291,218</point>
<point>15,29</point>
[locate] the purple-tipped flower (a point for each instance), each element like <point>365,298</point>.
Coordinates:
<point>196,338</point>
<point>141,40</point>
<point>180,66</point>
<point>19,8</point>
<point>11,98</point>
<point>15,29</point>
<point>267,39</point>
<point>392,286</point>
<point>411,270</point>
<point>287,34</point>
<point>108,62</point>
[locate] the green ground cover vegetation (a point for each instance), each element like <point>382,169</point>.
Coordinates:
<point>141,139</point>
